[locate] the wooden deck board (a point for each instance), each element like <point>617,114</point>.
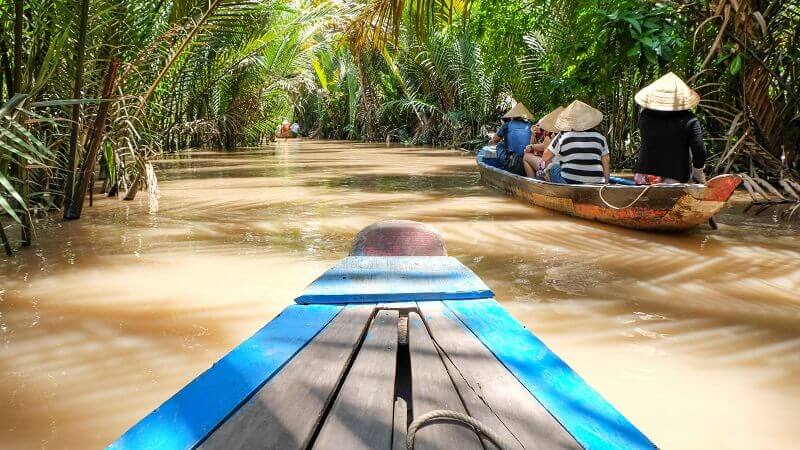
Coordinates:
<point>400,425</point>
<point>284,412</point>
<point>433,389</point>
<point>490,392</point>
<point>363,412</point>
<point>588,417</point>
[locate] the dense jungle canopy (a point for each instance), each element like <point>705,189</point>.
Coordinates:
<point>107,85</point>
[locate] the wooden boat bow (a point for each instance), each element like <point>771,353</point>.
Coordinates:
<point>375,343</point>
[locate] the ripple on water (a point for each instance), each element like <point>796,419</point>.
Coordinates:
<point>695,337</point>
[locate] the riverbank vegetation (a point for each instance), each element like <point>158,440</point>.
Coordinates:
<point>101,87</point>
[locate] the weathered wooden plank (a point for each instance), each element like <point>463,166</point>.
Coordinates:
<point>432,389</point>
<point>363,412</point>
<point>188,416</point>
<point>284,413</point>
<point>489,391</point>
<point>400,425</point>
<point>376,279</point>
<point>588,417</point>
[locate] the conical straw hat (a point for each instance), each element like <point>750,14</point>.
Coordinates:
<point>578,116</point>
<point>668,93</point>
<point>548,122</point>
<point>519,110</point>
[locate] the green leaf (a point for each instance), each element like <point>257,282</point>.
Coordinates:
<point>13,192</point>
<point>647,41</point>
<point>634,23</point>
<point>111,163</point>
<point>736,65</point>
<point>9,210</point>
<point>634,52</point>
<point>12,104</point>
<point>650,55</point>
<point>40,148</point>
<point>11,149</point>
<point>83,101</point>
<point>51,61</point>
<point>666,53</point>
<point>651,23</point>
<point>323,79</point>
<point>32,150</point>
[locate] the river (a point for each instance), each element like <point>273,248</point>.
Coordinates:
<point>695,337</point>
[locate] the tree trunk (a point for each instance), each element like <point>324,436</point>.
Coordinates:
<point>18,22</point>
<point>22,164</point>
<point>8,76</point>
<point>83,18</point>
<point>134,189</point>
<point>75,204</point>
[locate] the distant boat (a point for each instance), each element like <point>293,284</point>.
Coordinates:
<point>396,345</point>
<point>660,207</point>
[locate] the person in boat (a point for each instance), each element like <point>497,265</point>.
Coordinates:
<point>543,133</point>
<point>672,149</point>
<point>511,139</point>
<point>579,153</point>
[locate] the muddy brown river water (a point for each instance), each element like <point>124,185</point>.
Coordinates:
<point>694,337</point>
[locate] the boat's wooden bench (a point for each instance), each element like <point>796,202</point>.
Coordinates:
<point>373,344</point>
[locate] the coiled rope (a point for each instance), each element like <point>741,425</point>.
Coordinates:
<point>429,417</point>
<point>641,194</point>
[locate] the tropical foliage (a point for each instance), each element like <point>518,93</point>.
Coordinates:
<point>446,84</point>
<point>99,87</point>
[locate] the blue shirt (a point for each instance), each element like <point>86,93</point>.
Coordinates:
<point>516,134</point>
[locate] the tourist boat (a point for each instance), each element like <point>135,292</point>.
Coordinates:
<point>664,207</point>
<point>397,346</point>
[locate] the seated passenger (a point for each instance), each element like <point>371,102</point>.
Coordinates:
<point>579,154</point>
<point>672,149</point>
<point>543,133</point>
<point>511,139</point>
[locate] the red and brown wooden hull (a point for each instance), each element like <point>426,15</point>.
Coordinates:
<point>662,208</point>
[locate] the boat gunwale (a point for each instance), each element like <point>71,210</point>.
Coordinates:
<point>681,187</point>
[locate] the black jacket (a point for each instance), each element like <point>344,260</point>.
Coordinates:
<point>672,141</point>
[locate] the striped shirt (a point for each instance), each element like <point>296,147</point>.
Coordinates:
<point>579,154</point>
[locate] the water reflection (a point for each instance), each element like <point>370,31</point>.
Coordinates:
<point>695,337</point>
